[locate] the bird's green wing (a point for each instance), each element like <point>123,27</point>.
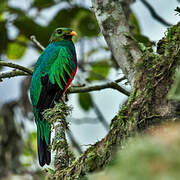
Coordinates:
<point>60,70</point>
<point>63,68</point>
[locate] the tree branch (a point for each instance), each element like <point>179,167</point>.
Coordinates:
<point>23,70</point>
<point>74,142</point>
<point>115,28</point>
<point>37,43</point>
<point>100,116</point>
<point>95,157</point>
<point>16,66</point>
<point>120,79</point>
<point>13,74</point>
<point>154,14</point>
<point>84,120</point>
<point>147,106</point>
<point>111,85</point>
<point>57,120</point>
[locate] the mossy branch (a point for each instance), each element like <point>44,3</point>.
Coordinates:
<point>147,105</point>
<point>57,120</point>
<point>97,156</point>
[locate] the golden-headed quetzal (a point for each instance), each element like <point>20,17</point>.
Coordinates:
<point>53,73</point>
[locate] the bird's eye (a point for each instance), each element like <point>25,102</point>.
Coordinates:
<point>59,31</point>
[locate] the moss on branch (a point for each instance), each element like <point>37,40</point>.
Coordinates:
<point>147,105</point>
<point>57,120</point>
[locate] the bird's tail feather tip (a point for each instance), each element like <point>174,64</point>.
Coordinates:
<point>44,153</point>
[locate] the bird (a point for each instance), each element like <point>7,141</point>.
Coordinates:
<point>52,75</point>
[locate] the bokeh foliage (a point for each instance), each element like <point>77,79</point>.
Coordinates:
<point>153,156</point>
<point>77,17</point>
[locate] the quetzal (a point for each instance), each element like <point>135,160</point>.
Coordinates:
<point>53,73</point>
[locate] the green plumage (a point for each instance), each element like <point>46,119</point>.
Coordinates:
<point>52,75</point>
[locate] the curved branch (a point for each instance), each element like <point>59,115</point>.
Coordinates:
<point>146,107</point>
<point>154,14</point>
<point>111,85</point>
<point>95,157</point>
<point>16,66</point>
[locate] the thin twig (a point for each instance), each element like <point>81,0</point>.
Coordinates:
<point>36,42</point>
<point>154,14</point>
<point>16,66</point>
<point>78,85</point>
<point>84,120</point>
<point>120,79</point>
<point>111,85</point>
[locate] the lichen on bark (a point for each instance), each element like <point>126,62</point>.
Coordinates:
<point>147,105</point>
<point>112,18</point>
<point>57,120</point>
<point>150,75</point>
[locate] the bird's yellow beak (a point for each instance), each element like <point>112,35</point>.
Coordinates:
<point>72,33</point>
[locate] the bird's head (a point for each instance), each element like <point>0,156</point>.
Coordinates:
<point>61,34</point>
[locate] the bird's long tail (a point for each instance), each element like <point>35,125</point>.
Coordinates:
<point>43,139</point>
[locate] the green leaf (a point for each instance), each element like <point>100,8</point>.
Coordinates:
<point>85,101</point>
<point>86,23</point>
<point>29,153</point>
<point>99,71</point>
<point>142,47</point>
<point>28,27</point>
<point>136,31</point>
<point>16,50</point>
<point>30,147</point>
<point>50,171</point>
<point>135,24</point>
<point>143,39</point>
<point>3,5</point>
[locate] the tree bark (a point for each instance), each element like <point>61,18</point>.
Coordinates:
<point>112,19</point>
<point>151,76</point>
